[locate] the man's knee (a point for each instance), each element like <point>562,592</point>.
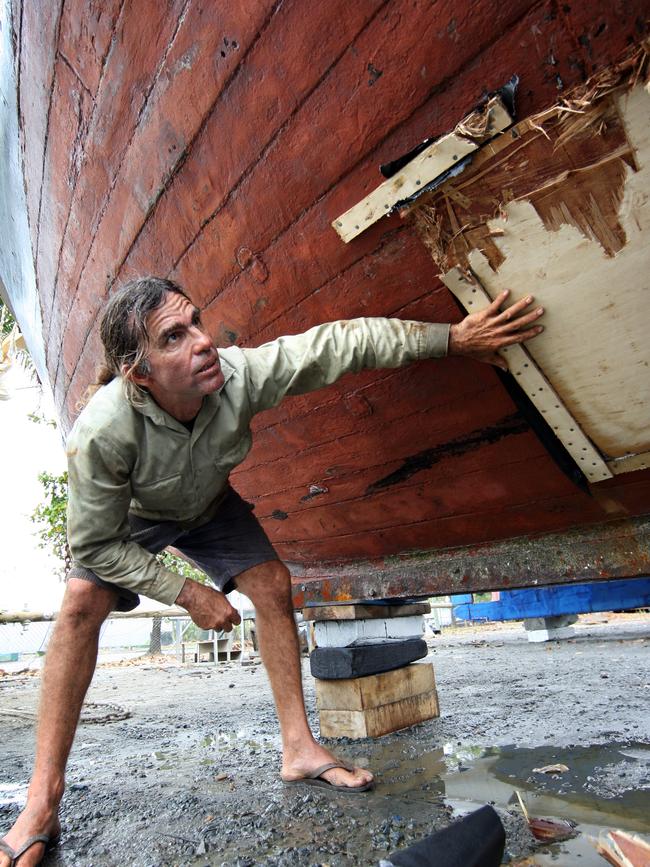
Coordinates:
<point>268,584</point>
<point>86,604</point>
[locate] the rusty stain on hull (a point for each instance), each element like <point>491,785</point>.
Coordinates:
<point>614,550</point>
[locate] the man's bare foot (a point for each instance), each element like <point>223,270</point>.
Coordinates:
<point>33,820</point>
<point>299,763</point>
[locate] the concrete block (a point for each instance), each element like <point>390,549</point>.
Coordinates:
<point>331,633</point>
<point>550,628</point>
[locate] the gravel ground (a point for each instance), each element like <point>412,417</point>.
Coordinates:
<point>191,777</point>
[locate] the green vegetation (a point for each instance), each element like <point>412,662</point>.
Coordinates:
<point>182,566</point>
<point>50,517</point>
<point>7,321</point>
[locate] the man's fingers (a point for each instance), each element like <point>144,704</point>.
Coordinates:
<point>514,310</point>
<point>520,336</point>
<point>522,321</point>
<point>235,618</point>
<point>493,308</point>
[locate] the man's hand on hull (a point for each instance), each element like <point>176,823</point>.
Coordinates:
<point>207,607</point>
<point>480,335</point>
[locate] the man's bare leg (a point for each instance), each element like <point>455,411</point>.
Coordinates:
<point>69,666</point>
<point>268,586</point>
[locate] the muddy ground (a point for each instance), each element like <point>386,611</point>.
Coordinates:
<point>191,777</point>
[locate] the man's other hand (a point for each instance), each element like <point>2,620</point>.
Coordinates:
<point>207,607</point>
<point>481,334</point>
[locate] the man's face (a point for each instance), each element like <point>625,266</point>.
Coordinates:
<point>183,362</point>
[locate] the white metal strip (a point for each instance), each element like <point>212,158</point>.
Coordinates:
<point>473,296</point>
<point>629,462</point>
<point>420,171</point>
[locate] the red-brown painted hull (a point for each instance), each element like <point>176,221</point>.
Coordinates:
<point>215,143</point>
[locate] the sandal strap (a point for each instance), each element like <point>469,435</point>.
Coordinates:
<point>6,849</point>
<point>29,842</point>
<point>315,774</point>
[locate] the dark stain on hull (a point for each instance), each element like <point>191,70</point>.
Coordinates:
<point>508,426</point>
<point>279,515</point>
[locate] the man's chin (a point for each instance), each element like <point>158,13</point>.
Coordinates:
<point>215,383</point>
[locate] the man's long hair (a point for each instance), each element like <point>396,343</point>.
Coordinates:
<point>123,331</point>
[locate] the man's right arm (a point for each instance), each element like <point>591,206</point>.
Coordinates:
<point>98,504</point>
<point>99,495</point>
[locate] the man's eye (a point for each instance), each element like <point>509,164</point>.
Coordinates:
<point>173,337</point>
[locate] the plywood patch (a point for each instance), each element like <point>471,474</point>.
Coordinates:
<point>562,210</point>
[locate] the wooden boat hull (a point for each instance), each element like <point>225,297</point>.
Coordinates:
<point>216,143</point>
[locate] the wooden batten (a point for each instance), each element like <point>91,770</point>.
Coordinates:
<point>443,154</point>
<point>363,612</point>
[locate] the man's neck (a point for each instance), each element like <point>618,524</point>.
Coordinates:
<point>182,411</point>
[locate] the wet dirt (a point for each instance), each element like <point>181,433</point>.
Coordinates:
<point>191,778</point>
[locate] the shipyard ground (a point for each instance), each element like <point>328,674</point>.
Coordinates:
<point>191,777</point>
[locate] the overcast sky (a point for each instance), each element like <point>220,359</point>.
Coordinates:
<point>27,573</point>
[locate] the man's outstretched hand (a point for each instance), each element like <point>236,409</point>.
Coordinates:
<point>207,607</point>
<point>481,334</point>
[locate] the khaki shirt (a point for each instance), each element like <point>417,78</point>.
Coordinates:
<point>124,458</point>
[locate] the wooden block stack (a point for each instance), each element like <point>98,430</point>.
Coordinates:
<point>367,683</point>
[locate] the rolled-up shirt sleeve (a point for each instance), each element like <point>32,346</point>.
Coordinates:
<point>305,362</point>
<point>99,493</point>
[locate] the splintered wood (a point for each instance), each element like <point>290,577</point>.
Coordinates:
<point>623,850</point>
<point>577,180</point>
<point>559,207</point>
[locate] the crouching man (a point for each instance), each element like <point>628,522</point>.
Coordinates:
<point>149,460</point>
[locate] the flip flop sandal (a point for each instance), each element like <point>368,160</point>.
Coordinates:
<point>314,779</point>
<point>15,854</point>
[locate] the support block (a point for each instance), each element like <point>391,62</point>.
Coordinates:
<point>371,657</point>
<point>378,704</point>
<point>375,690</point>
<point>341,633</point>
<point>364,611</point>
<point>550,628</point>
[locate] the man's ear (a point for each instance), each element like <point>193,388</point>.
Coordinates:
<point>135,374</point>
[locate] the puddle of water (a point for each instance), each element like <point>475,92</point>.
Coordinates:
<point>605,787</point>
<point>13,793</point>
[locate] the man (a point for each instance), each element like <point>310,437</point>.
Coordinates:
<point>149,459</point>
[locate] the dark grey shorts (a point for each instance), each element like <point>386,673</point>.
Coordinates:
<point>232,542</point>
